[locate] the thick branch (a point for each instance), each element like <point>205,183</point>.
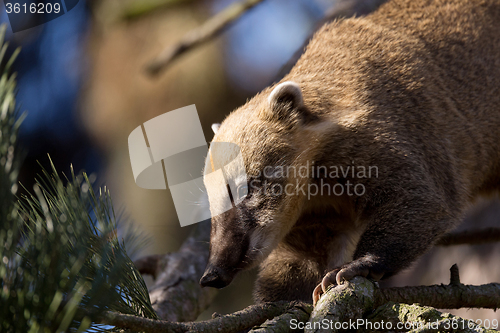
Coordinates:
<point>348,301</point>
<point>238,321</point>
<point>444,296</point>
<point>453,296</point>
<point>353,299</point>
<point>209,30</point>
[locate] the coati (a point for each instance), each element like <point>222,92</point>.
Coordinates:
<point>412,90</point>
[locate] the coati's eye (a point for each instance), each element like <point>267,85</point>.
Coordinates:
<point>241,192</point>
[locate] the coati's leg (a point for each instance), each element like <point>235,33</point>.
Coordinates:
<point>395,236</point>
<point>285,275</point>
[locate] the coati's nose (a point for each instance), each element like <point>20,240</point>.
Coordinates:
<point>214,278</point>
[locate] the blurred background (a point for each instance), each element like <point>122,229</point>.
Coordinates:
<point>83,85</point>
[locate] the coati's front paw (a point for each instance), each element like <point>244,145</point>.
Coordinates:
<point>365,267</point>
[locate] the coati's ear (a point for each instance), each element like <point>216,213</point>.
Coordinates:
<point>215,128</point>
<point>286,104</point>
<point>286,94</point>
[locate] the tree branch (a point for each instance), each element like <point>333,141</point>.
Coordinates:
<point>351,301</point>
<point>209,30</point>
<point>444,296</point>
<point>348,301</point>
<point>354,299</point>
<point>220,22</point>
<point>238,321</point>
<point>300,313</point>
<point>481,236</point>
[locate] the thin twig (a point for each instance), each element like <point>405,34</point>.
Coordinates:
<point>209,30</point>
<point>454,275</point>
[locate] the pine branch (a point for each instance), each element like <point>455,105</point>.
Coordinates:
<point>208,31</point>
<point>71,264</point>
<point>9,152</point>
<point>61,263</point>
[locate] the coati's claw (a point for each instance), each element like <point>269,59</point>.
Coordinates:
<point>317,294</point>
<point>328,280</point>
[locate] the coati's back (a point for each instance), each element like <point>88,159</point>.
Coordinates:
<point>436,59</point>
<point>462,40</point>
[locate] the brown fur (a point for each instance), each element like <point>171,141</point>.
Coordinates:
<point>413,89</point>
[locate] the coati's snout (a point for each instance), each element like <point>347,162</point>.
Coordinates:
<point>215,277</point>
<point>229,245</point>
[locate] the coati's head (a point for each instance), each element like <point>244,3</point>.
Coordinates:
<point>269,131</point>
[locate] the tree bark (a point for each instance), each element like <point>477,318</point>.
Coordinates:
<point>282,323</point>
